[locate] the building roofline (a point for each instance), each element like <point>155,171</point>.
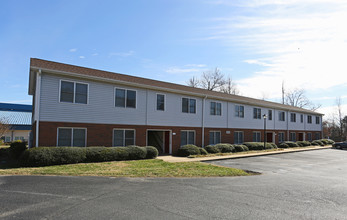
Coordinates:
<point>111,77</point>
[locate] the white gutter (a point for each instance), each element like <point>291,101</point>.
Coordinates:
<point>203,123</point>
<point>37,106</point>
<point>287,126</point>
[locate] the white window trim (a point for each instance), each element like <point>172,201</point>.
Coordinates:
<point>272,114</point>
<point>124,129</point>
<point>243,137</point>
<point>294,117</point>
<point>196,105</point>
<point>257,132</point>
<point>220,132</point>
<point>257,112</point>
<point>156,102</point>
<point>282,136</point>
<point>284,116</point>
<point>309,134</point>
<point>302,117</point>
<point>290,136</point>
<point>125,106</point>
<point>309,116</point>
<point>221,107</point>
<point>240,111</point>
<point>74,91</point>
<point>72,128</point>
<point>188,135</point>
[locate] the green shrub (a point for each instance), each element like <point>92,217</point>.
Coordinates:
<point>291,144</point>
<point>16,149</point>
<point>203,151</point>
<point>212,149</point>
<point>240,148</point>
<point>188,150</point>
<point>152,152</point>
<point>254,145</point>
<point>225,148</point>
<point>283,145</point>
<point>136,152</point>
<point>317,143</point>
<point>327,141</point>
<point>303,143</point>
<point>4,152</point>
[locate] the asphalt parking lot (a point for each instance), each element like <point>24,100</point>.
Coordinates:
<point>304,185</point>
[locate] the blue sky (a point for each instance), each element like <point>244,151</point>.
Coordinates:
<point>258,43</point>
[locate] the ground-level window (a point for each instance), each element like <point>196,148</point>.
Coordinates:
<point>123,137</point>
<point>281,137</point>
<point>187,137</point>
<point>256,136</point>
<point>72,137</point>
<point>238,137</point>
<point>292,136</point>
<point>309,136</point>
<point>215,137</point>
<point>19,138</point>
<point>7,139</point>
<point>317,136</point>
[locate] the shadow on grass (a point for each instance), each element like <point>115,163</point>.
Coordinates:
<point>8,163</point>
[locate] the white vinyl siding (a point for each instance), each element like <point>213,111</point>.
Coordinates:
<point>187,137</point>
<point>73,92</point>
<point>214,137</point>
<point>256,136</point>
<point>238,137</point>
<point>123,137</point>
<point>72,137</point>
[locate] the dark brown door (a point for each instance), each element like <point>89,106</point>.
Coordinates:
<point>269,137</point>
<point>167,142</point>
<point>301,136</point>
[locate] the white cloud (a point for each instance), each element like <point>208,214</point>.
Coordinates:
<point>174,70</point>
<point>24,101</point>
<point>95,54</point>
<point>331,111</point>
<point>195,65</point>
<point>302,42</point>
<point>82,57</point>
<point>73,50</point>
<point>122,54</point>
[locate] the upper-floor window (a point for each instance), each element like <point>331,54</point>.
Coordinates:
<point>281,116</point>
<point>215,137</point>
<point>187,137</point>
<point>256,113</point>
<point>75,137</point>
<point>125,98</point>
<point>309,119</point>
<point>270,115</point>
<point>123,137</point>
<point>317,120</point>
<point>239,111</point>
<point>292,117</point>
<point>256,136</point>
<point>216,108</point>
<point>73,92</point>
<point>302,118</point>
<point>160,102</point>
<point>188,105</point>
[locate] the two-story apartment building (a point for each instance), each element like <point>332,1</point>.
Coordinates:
<point>78,106</point>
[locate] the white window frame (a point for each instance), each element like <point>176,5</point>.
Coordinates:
<point>317,134</point>
<point>123,129</point>
<point>156,102</point>
<point>291,134</point>
<point>7,141</point>
<point>309,119</point>
<point>196,104</point>
<point>280,114</point>
<point>125,106</point>
<point>283,137</point>
<point>268,112</point>
<point>243,137</point>
<point>301,118</point>
<point>187,140</point>
<point>293,119</point>
<point>257,133</point>
<point>258,116</point>
<point>72,128</point>
<point>214,136</point>
<point>74,91</point>
<point>317,119</point>
<point>215,108</point>
<point>237,113</point>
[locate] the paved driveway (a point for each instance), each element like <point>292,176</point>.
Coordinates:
<point>306,185</point>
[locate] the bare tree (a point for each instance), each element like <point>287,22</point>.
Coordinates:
<point>230,87</point>
<point>339,117</point>
<point>297,98</point>
<point>4,127</point>
<point>212,80</point>
<point>193,82</point>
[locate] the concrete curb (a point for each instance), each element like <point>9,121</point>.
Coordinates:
<point>173,159</point>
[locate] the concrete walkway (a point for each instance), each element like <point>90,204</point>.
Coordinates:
<point>174,159</point>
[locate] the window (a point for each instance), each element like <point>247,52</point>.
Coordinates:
<point>256,136</point>
<point>187,137</point>
<point>280,137</point>
<point>216,108</point>
<point>292,136</point>
<point>292,117</point>
<point>73,92</point>
<point>256,113</point>
<point>302,118</point>
<point>19,138</point>
<point>215,137</point>
<point>239,111</point>
<point>309,136</point>
<point>160,102</point>
<point>317,120</point>
<point>270,115</point>
<point>123,137</point>
<point>125,98</point>
<point>317,136</point>
<point>75,137</point>
<point>238,137</point>
<point>7,139</point>
<point>309,119</point>
<point>281,116</point>
<point>188,105</point>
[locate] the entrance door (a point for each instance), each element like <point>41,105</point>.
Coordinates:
<point>301,136</point>
<point>269,136</point>
<point>160,140</point>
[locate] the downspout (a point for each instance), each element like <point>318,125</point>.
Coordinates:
<point>203,123</point>
<point>287,126</point>
<point>37,106</point>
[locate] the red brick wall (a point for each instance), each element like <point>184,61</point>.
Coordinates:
<point>102,134</point>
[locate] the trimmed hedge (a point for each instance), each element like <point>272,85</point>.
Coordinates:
<point>203,151</point>
<point>212,149</point>
<point>240,148</point>
<point>47,156</point>
<point>303,143</point>
<point>317,143</point>
<point>327,141</point>
<point>225,148</point>
<point>259,145</point>
<point>187,150</point>
<point>17,148</point>
<point>283,145</point>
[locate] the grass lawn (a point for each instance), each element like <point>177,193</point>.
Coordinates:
<point>139,168</point>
